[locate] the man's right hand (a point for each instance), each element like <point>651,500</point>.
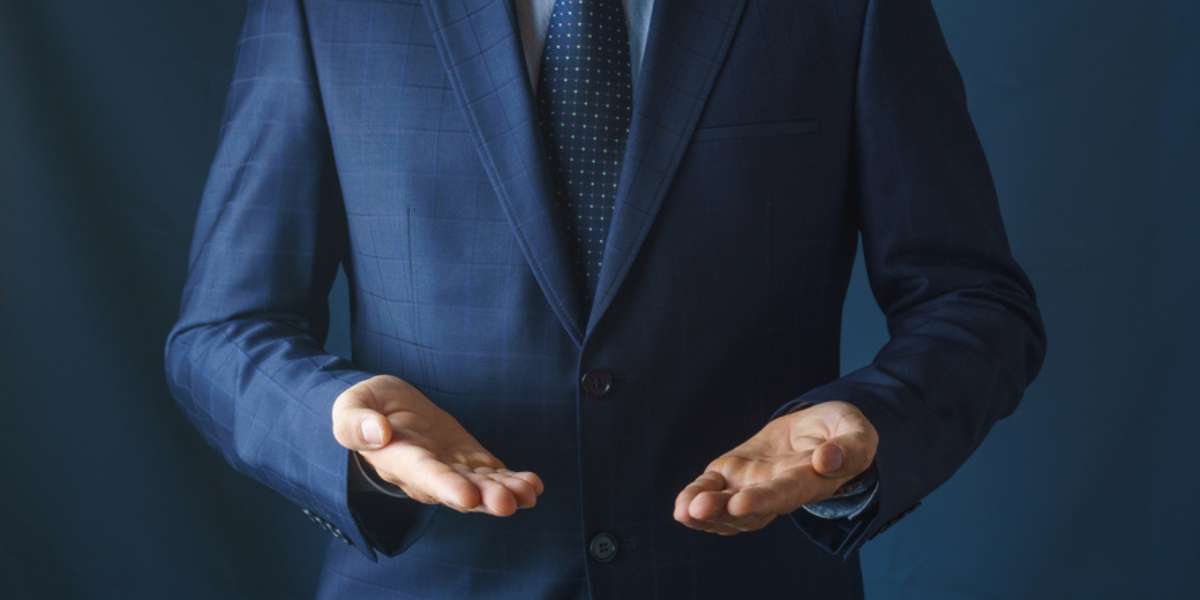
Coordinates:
<point>426,452</point>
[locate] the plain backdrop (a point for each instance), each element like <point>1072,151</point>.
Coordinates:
<point>1088,110</point>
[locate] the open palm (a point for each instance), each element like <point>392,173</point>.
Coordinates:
<point>796,459</point>
<point>414,444</point>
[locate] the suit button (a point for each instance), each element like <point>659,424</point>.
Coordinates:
<point>596,382</point>
<point>603,547</point>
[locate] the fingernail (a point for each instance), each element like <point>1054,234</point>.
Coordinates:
<point>371,432</point>
<point>836,457</point>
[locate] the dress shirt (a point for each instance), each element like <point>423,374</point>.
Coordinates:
<point>533,17</point>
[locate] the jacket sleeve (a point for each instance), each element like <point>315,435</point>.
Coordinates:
<point>966,336</point>
<point>246,360</point>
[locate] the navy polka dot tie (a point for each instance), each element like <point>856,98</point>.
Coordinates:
<point>584,105</point>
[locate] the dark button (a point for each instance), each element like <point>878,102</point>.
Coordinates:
<point>603,547</point>
<point>597,382</point>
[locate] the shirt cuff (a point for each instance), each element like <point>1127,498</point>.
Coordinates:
<point>390,519</point>
<point>364,478</point>
<point>851,500</point>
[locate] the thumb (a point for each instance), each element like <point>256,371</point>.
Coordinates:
<point>356,426</point>
<point>843,456</point>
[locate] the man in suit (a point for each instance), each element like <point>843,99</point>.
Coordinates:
<point>597,253</point>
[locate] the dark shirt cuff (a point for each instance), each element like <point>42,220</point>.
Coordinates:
<point>364,478</point>
<point>851,500</point>
<point>390,519</point>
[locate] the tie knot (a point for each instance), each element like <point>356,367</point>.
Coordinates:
<point>600,13</point>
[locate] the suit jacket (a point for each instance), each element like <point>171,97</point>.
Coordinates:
<point>397,139</point>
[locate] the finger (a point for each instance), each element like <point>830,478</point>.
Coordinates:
<point>712,508</point>
<point>522,490</point>
<point>711,527</point>
<point>357,425</point>
<point>751,523</point>
<point>844,456</point>
<point>706,482</point>
<point>742,524</point>
<point>709,505</point>
<point>780,495</point>
<point>531,478</point>
<point>361,429</point>
<point>449,486</point>
<point>497,499</point>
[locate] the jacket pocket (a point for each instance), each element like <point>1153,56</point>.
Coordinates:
<point>766,128</point>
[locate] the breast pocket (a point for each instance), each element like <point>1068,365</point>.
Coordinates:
<point>760,129</point>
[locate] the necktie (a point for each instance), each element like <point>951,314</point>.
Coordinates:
<point>584,106</point>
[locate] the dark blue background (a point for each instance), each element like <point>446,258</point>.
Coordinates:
<point>1088,110</point>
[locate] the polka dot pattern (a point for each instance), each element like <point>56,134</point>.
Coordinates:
<point>584,106</point>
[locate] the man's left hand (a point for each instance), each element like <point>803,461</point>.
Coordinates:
<point>798,458</point>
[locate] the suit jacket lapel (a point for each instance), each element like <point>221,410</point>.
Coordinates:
<point>688,41</point>
<point>481,48</point>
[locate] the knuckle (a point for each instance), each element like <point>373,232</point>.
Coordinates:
<point>719,463</point>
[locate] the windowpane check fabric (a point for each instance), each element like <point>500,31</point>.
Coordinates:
<point>398,140</point>
<point>585,99</point>
<point>533,22</point>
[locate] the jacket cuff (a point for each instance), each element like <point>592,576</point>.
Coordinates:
<point>369,522</point>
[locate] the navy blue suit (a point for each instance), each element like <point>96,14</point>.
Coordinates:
<point>397,139</point>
